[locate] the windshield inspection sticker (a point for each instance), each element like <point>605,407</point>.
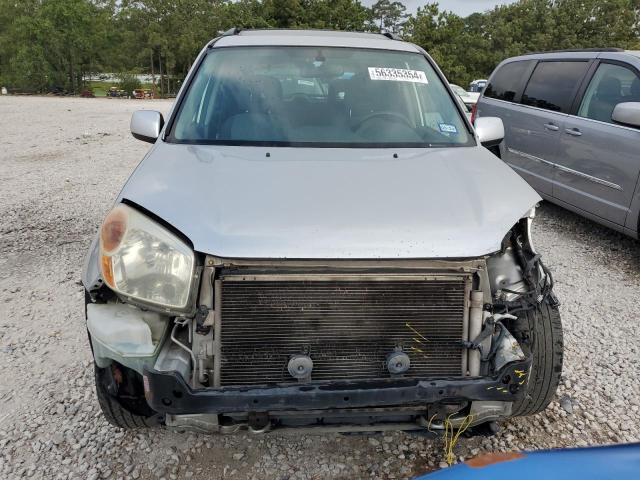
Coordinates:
<point>397,75</point>
<point>447,128</point>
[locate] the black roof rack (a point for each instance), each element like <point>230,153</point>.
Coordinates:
<point>578,50</point>
<point>236,31</point>
<point>232,31</point>
<point>390,35</point>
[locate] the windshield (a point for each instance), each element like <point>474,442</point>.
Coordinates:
<point>313,96</point>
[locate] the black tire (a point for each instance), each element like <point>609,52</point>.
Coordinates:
<point>539,332</point>
<point>115,413</point>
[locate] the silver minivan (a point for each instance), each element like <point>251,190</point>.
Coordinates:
<point>318,239</point>
<point>572,129</point>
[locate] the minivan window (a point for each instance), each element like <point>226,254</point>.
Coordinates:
<point>553,84</point>
<point>318,96</point>
<point>611,84</point>
<point>505,82</point>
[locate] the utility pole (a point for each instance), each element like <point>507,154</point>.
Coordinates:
<point>153,75</point>
<point>160,67</point>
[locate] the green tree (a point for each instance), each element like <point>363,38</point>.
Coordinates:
<point>283,13</point>
<point>336,14</point>
<point>54,43</point>
<point>128,82</point>
<point>471,48</point>
<point>389,15</point>
<point>443,35</point>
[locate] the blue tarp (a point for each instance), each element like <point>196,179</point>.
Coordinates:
<point>617,462</point>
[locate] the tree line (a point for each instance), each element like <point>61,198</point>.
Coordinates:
<point>47,44</point>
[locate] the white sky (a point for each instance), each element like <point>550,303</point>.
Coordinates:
<point>461,7</point>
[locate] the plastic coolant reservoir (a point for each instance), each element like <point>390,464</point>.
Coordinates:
<point>119,331</point>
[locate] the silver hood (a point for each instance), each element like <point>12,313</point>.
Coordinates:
<point>332,203</point>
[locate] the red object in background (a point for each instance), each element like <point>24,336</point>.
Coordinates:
<point>474,111</point>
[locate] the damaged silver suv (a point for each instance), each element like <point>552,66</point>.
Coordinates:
<point>318,239</point>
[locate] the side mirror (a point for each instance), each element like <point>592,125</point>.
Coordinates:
<point>627,113</point>
<point>490,131</point>
<point>146,125</point>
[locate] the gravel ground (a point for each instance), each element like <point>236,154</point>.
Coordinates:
<point>62,161</point>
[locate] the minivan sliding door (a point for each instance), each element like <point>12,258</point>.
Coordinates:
<point>598,164</point>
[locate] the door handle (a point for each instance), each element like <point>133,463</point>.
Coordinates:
<point>573,131</point>
<point>552,127</point>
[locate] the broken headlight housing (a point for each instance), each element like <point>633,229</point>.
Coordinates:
<point>143,261</point>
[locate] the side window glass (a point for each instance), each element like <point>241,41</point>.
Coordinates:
<point>610,85</point>
<point>505,82</point>
<point>553,84</point>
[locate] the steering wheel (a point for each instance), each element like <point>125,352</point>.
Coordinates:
<point>393,116</point>
<point>299,97</point>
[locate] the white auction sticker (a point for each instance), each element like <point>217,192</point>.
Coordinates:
<point>397,75</point>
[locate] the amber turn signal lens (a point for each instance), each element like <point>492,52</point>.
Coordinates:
<point>113,229</point>
<point>107,270</point>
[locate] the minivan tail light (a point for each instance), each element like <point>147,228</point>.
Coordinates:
<point>474,113</point>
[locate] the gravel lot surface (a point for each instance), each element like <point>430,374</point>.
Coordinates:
<point>62,162</point>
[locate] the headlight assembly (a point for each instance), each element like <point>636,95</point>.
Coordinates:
<point>144,261</point>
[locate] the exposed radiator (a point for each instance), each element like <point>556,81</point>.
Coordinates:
<point>347,327</point>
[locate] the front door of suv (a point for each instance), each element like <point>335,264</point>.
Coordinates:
<point>598,163</point>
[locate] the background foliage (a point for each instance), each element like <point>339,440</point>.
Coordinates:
<point>52,44</point>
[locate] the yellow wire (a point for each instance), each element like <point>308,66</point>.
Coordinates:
<point>408,325</point>
<point>451,438</point>
<point>431,420</point>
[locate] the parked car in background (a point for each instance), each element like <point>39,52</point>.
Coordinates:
<point>572,122</point>
<point>139,93</point>
<point>477,85</point>
<point>117,93</point>
<point>468,111</point>
<point>469,98</point>
<point>376,272</point>
<point>57,90</point>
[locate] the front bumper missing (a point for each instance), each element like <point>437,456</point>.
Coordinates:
<point>168,393</point>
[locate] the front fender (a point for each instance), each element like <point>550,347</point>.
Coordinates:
<point>91,276</point>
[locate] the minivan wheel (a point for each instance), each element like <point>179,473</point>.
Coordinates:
<point>539,332</point>
<point>122,402</point>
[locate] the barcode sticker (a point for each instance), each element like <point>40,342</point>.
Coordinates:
<point>447,128</point>
<point>397,75</point>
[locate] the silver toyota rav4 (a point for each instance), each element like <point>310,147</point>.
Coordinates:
<point>318,238</point>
